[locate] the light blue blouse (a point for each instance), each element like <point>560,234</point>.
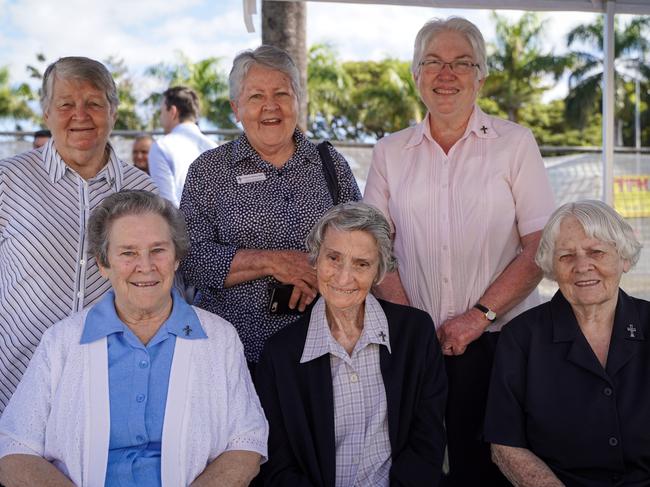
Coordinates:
<point>138,377</point>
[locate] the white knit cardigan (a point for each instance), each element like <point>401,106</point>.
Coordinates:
<point>60,410</point>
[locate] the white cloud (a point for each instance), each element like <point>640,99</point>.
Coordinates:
<point>148,32</point>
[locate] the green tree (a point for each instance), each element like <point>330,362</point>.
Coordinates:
<point>360,100</point>
<point>206,78</point>
<point>14,99</point>
<point>550,127</point>
<point>127,116</point>
<point>630,46</point>
<point>328,89</point>
<point>384,98</point>
<point>518,65</point>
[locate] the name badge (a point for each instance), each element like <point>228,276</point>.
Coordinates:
<point>251,178</point>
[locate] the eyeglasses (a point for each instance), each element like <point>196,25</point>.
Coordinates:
<point>457,67</point>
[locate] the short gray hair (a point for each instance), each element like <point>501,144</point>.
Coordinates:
<point>599,221</point>
<point>350,217</point>
<point>82,69</point>
<point>267,56</point>
<point>133,202</point>
<point>458,24</point>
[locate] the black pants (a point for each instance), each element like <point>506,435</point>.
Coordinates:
<point>468,376</point>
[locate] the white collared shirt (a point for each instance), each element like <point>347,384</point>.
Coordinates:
<point>170,158</point>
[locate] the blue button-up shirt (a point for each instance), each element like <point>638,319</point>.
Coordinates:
<point>138,378</point>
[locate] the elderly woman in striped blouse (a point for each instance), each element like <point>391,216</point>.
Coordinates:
<point>355,391</point>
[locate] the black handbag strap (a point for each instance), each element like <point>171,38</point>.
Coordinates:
<point>329,171</point>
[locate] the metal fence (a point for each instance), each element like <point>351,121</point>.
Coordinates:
<point>574,176</point>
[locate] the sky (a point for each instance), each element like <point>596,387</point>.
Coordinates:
<point>147,32</point>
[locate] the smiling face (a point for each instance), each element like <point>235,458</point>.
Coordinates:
<point>587,270</point>
<point>346,268</point>
<point>267,107</point>
<point>448,95</point>
<point>142,262</point>
<point>80,119</point>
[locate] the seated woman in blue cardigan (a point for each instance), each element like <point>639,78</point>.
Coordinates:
<point>355,391</point>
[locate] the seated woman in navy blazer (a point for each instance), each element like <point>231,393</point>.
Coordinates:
<point>569,403</point>
<point>355,391</point>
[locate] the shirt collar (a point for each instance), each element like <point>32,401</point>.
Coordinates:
<point>186,127</point>
<point>56,166</point>
<point>565,324</point>
<point>319,340</point>
<point>479,123</point>
<point>243,150</point>
<point>102,320</point>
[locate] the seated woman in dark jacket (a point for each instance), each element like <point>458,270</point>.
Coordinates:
<point>569,403</point>
<point>355,391</point>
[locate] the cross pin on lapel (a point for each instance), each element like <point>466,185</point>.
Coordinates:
<point>632,330</point>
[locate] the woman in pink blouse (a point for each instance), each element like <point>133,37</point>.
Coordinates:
<point>467,195</point>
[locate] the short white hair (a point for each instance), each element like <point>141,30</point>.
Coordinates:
<point>268,56</point>
<point>457,24</point>
<point>599,221</point>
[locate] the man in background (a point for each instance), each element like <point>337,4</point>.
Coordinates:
<point>140,152</point>
<point>40,138</point>
<point>170,157</point>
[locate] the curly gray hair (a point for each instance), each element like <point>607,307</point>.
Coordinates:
<point>599,221</point>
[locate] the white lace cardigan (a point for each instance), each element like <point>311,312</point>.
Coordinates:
<point>60,410</point>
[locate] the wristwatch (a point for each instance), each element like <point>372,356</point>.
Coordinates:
<point>489,314</point>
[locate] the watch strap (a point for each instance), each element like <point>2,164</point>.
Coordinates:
<point>489,314</point>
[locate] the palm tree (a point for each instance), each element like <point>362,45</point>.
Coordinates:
<point>518,67</point>
<point>284,26</point>
<point>630,46</point>
<point>328,87</point>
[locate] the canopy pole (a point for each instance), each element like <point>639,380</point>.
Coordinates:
<point>608,105</point>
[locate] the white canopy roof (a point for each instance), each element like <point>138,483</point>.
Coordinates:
<point>608,7</point>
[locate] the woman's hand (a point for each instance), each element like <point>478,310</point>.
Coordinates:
<point>293,267</point>
<point>287,266</point>
<point>457,333</point>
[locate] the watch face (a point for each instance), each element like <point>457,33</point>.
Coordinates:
<point>491,315</point>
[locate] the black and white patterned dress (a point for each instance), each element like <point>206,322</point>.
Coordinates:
<point>225,213</point>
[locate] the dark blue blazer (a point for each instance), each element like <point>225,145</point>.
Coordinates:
<point>298,402</point>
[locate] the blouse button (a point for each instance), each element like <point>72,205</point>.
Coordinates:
<point>607,391</point>
<point>613,441</point>
<point>139,397</point>
<point>354,377</point>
